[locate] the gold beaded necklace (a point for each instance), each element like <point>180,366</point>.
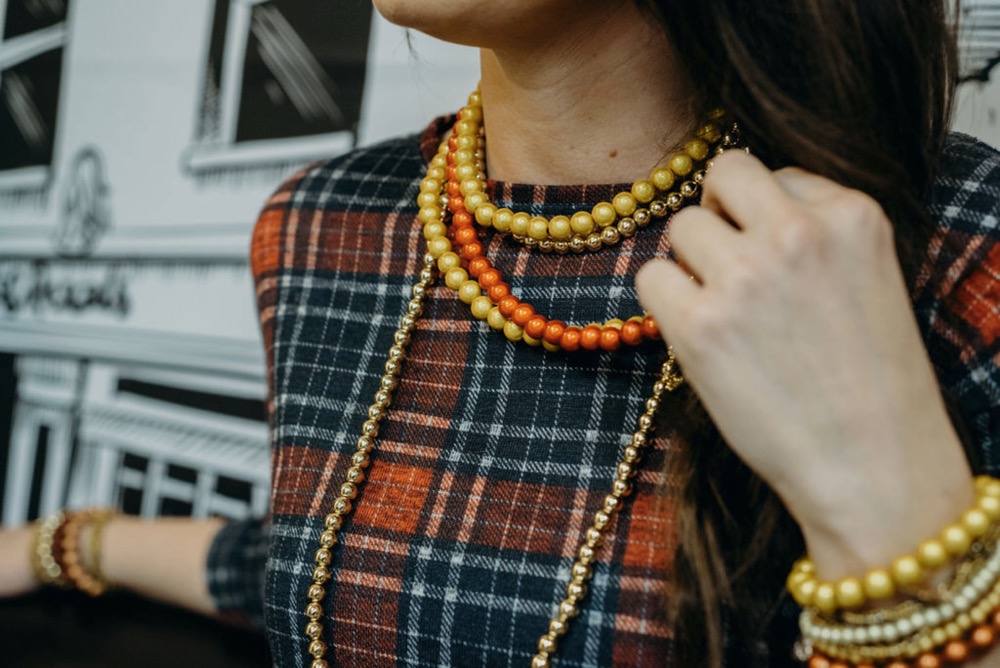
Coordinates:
<point>621,487</point>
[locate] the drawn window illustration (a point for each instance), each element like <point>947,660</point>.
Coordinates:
<point>283,80</point>
<point>33,37</point>
<point>979,40</point>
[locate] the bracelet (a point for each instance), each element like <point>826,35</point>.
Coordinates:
<point>43,562</point>
<point>905,571</point>
<point>973,595</point>
<point>88,580</point>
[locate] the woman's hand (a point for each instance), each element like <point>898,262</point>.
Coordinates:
<point>798,335</point>
<point>16,576</point>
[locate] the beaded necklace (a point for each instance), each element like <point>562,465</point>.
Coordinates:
<point>453,190</point>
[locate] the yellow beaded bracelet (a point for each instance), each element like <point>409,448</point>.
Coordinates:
<point>905,571</point>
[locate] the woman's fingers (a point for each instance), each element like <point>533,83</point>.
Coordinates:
<point>703,242</point>
<point>740,188</point>
<point>667,292</point>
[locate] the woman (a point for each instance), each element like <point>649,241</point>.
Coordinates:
<point>464,518</point>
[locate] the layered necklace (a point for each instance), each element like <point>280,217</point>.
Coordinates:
<point>453,204</point>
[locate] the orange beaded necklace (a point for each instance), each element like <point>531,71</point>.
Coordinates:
<point>455,188</point>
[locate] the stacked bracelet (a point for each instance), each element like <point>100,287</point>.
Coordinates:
<point>43,562</point>
<point>928,629</point>
<point>906,570</point>
<point>56,554</point>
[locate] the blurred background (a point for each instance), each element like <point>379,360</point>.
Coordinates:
<point>138,140</point>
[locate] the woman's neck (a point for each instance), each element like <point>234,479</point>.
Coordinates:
<point>603,101</point>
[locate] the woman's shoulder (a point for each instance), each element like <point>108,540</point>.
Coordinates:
<point>349,191</point>
<point>965,197</point>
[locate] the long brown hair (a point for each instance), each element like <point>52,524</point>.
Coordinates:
<point>859,91</point>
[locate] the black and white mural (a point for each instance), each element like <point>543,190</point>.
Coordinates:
<point>138,141</point>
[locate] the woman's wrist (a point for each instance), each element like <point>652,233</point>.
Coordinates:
<point>859,515</point>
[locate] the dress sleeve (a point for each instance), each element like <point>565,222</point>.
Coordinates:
<point>235,570</point>
<point>959,311</point>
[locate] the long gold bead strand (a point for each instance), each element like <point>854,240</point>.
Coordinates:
<point>350,487</point>
<point>621,488</point>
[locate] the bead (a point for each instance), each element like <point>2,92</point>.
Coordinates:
<point>538,228</point>
<point>539,661</point>
<point>481,307</point>
<point>906,571</point>
<point>818,661</point>
<point>610,236</point>
<point>698,149</point>
<point>560,228</point>
<point>314,611</point>
<point>455,278</point>
<point>502,219</point>
<point>495,319</point>
<point>316,592</point>
<point>554,330</point>
<point>643,191</point>
<point>631,333</point>
<point>498,292</point>
<point>513,331</point>
<point>982,636</point>
<point>582,223</point>
<point>932,554</point>
<point>927,661</point>
<point>603,214</point>
<point>522,314</point>
<point>991,506</point>
<point>850,593</point>
<point>624,204</point>
<point>681,164</point>
<point>610,339</point>
<point>804,592</point>
<point>825,598</point>
<point>878,584</point>
<point>956,539</point>
<point>519,223</point>
<point>662,179</point>
<point>976,522</point>
<point>536,325</point>
<point>955,651</point>
<point>570,339</point>
<point>317,648</point>
<point>590,337</point>
<point>507,305</point>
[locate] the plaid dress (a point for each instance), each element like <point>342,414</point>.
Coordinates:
<point>495,455</point>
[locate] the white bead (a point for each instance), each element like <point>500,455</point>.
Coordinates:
<point>861,635</point>
<point>889,632</point>
<point>850,636</point>
<point>947,611</point>
<point>968,591</point>
<point>838,635</point>
<point>933,617</point>
<point>961,603</point>
<point>904,626</point>
<point>917,619</point>
<point>877,633</point>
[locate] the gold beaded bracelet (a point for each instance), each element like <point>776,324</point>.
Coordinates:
<point>905,571</point>
<point>967,603</point>
<point>55,554</point>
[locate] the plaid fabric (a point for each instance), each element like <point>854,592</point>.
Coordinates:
<point>494,455</point>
